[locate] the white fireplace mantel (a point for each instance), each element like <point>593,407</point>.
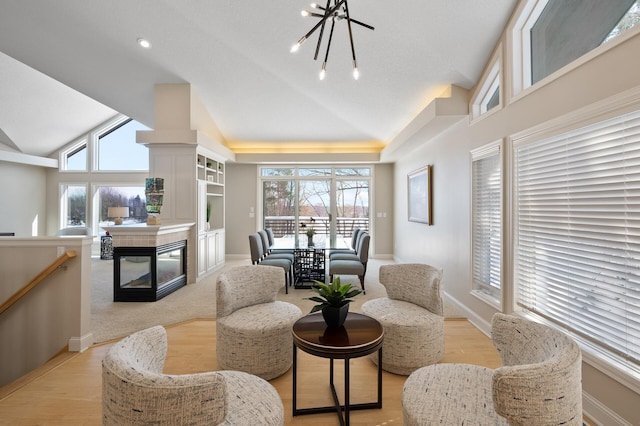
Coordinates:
<point>143,235</point>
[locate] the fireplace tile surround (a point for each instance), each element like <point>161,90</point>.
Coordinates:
<point>142,236</point>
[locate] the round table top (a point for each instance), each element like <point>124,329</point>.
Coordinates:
<point>359,336</point>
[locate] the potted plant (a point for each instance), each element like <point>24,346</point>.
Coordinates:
<point>333,300</point>
<point>310,233</point>
<point>208,215</point>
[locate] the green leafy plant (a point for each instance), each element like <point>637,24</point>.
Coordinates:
<point>310,232</point>
<point>208,211</point>
<point>334,294</point>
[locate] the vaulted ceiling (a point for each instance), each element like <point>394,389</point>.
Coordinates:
<point>66,66</point>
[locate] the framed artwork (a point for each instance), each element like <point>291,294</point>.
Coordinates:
<point>419,195</point>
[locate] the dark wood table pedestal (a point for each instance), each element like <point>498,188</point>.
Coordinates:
<point>360,336</point>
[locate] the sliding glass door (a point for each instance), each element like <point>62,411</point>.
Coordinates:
<point>331,201</point>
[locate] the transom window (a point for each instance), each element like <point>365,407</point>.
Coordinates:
<point>550,34</point>
<point>118,149</point>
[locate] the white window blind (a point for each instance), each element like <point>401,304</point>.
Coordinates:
<point>487,220</point>
<point>578,232</point>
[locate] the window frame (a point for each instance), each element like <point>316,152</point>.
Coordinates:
<point>520,50</point>
<point>70,150</point>
<point>491,80</point>
<point>612,107</point>
<point>64,203</point>
<point>333,178</point>
<point>484,291</point>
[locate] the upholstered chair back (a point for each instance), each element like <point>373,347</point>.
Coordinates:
<point>247,285</point>
<point>265,241</point>
<point>255,245</point>
<point>414,283</point>
<point>543,366</point>
<point>363,247</point>
<point>136,392</point>
<point>270,236</point>
<point>354,238</point>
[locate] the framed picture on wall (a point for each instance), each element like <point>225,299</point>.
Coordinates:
<point>419,195</point>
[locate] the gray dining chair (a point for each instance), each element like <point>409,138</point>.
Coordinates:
<point>257,258</point>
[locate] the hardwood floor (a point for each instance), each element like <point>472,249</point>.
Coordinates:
<point>67,391</point>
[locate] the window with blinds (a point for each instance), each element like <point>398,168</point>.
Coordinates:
<point>578,233</point>
<point>486,216</point>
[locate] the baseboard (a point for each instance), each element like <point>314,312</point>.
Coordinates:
<point>470,315</point>
<point>80,344</point>
<point>598,414</point>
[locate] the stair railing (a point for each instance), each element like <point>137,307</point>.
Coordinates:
<point>38,279</point>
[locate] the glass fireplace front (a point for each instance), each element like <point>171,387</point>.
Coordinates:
<point>147,274</point>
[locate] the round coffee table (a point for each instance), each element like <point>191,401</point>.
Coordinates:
<point>361,335</point>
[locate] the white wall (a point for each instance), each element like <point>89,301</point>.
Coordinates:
<point>446,244</point>
<point>22,199</point>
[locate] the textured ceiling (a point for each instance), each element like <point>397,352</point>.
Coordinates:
<point>236,56</point>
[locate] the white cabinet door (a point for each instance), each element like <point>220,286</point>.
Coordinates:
<point>220,249</point>
<point>211,250</point>
<point>202,255</point>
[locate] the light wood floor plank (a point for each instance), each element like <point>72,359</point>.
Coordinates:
<point>69,392</point>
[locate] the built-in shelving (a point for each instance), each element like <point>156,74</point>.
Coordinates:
<point>211,184</point>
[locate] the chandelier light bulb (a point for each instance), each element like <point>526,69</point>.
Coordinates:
<point>356,73</point>
<point>144,43</point>
<point>323,71</point>
<point>296,46</point>
<point>313,5</point>
<point>305,13</point>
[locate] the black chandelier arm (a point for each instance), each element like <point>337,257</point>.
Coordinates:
<point>362,24</point>
<point>326,55</point>
<point>353,50</point>
<point>324,21</point>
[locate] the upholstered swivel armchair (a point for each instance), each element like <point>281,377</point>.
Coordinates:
<point>411,315</point>
<point>253,329</point>
<point>136,392</point>
<point>539,383</point>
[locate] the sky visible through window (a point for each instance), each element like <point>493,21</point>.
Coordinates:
<point>119,150</point>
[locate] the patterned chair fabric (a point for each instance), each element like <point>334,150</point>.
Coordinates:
<point>540,382</point>
<point>253,330</point>
<point>136,392</point>
<point>411,315</point>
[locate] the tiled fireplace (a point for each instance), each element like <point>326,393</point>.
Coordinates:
<point>150,262</point>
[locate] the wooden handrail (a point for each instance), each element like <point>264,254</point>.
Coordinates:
<point>41,276</point>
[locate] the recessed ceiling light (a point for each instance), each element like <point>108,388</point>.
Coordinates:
<point>144,43</point>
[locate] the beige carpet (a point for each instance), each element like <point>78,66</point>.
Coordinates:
<point>112,320</point>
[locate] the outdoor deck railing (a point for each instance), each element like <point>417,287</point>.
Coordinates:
<point>285,225</point>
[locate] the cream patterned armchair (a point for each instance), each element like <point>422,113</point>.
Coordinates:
<point>540,382</point>
<point>253,329</point>
<point>136,392</point>
<point>411,315</point>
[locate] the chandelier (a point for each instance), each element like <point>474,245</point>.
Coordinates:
<point>335,11</point>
